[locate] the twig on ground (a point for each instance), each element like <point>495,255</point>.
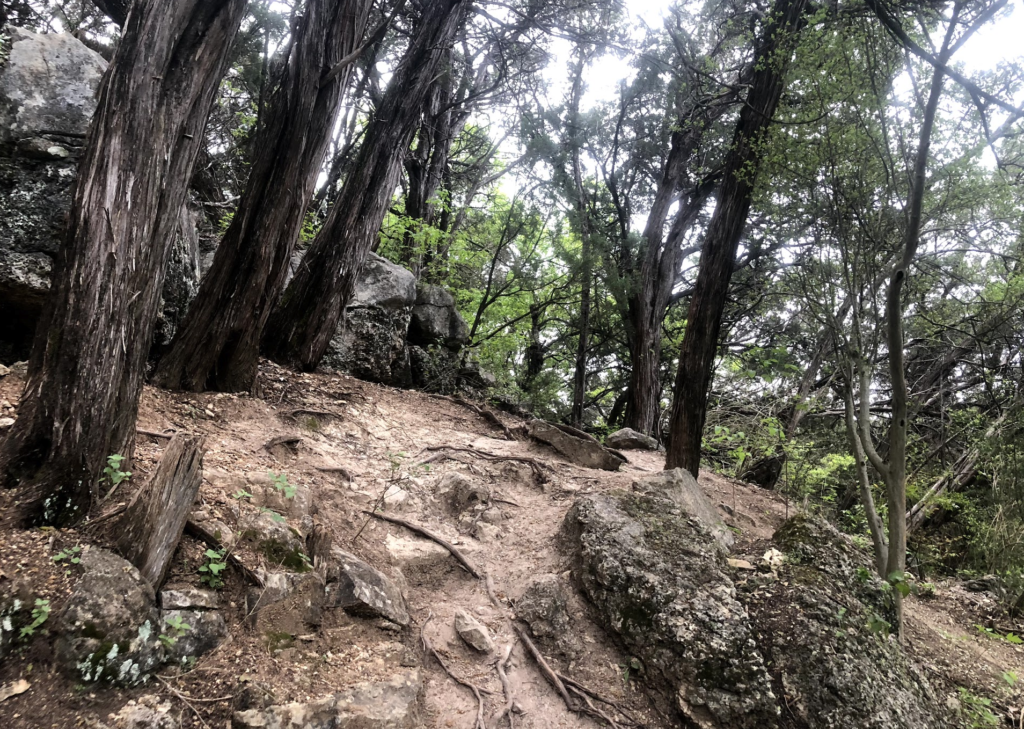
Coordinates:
<point>154,433</point>
<point>184,700</point>
<point>477,691</point>
<point>463,560</point>
<point>545,669</point>
<point>482,410</point>
<point>506,687</point>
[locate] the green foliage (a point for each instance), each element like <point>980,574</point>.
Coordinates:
<point>40,614</point>
<point>242,494</point>
<point>112,473</point>
<point>71,555</point>
<point>280,482</point>
<point>175,628</point>
<point>976,711</point>
<point>214,565</point>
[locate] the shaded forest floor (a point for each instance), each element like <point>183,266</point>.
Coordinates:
<point>379,437</point>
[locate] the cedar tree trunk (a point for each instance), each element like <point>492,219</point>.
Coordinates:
<point>88,359</point>
<point>217,346</point>
<point>718,256</point>
<point>301,328</point>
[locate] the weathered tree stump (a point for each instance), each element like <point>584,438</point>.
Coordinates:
<point>155,518</point>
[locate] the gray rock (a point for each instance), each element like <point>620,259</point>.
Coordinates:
<point>681,488</point>
<point>109,627</point>
<point>383,284</point>
<point>48,84</point>
<point>475,633</point>
<point>274,539</point>
<point>544,606</point>
<point>206,630</point>
<point>393,704</point>
<point>836,671</point>
<point>17,600</point>
<point>147,712</point>
<point>655,577</point>
<point>188,598</point>
<point>290,604</point>
<point>435,320</point>
<point>461,493</point>
<point>628,439</point>
<point>434,369</point>
<point>362,590</point>
<point>581,451</point>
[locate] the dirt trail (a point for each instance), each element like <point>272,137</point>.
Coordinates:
<point>380,437</point>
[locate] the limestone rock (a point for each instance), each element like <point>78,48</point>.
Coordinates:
<point>544,606</point>
<point>411,554</point>
<point>147,712</point>
<point>837,672</point>
<point>435,320</point>
<point>206,630</point>
<point>581,451</point>
<point>384,284</point>
<point>274,539</point>
<point>475,633</point>
<point>49,84</point>
<point>17,599</point>
<point>628,439</point>
<point>186,598</point>
<point>460,492</point>
<point>681,488</point>
<point>360,589</point>
<point>290,604</point>
<point>655,576</point>
<point>109,627</point>
<point>392,704</point>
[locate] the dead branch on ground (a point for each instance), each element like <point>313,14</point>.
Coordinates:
<point>503,663</point>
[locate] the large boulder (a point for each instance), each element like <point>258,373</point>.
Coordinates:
<point>435,320</point>
<point>48,88</point>
<point>393,704</point>
<point>48,85</point>
<point>109,628</point>
<point>681,488</point>
<point>629,439</point>
<point>371,343</point>
<point>823,622</point>
<point>656,577</point>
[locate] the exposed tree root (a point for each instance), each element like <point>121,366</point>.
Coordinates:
<point>477,691</point>
<point>462,559</point>
<point>540,468</point>
<point>503,663</point>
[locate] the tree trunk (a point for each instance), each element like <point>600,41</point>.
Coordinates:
<point>152,525</point>
<point>301,328</point>
<point>217,346</point>
<point>88,359</point>
<point>583,227</point>
<point>718,255</point>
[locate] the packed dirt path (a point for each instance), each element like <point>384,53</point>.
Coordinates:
<point>349,445</point>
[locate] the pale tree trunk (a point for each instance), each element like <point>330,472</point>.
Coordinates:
<point>88,360</point>
<point>301,328</point>
<point>584,229</point>
<point>718,254</point>
<point>217,346</point>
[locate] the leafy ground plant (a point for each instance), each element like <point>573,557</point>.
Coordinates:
<point>215,564</point>
<point>175,627</point>
<point>40,614</point>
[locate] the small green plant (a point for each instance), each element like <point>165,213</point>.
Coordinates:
<point>71,555</point>
<point>40,614</point>
<point>280,482</point>
<point>113,473</point>
<point>1010,677</point>
<point>976,711</point>
<point>215,564</point>
<point>176,627</point>
<point>274,516</point>
<point>1011,638</point>
<point>241,494</point>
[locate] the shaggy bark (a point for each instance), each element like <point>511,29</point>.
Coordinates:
<point>88,360</point>
<point>302,327</point>
<point>217,346</point>
<point>718,255</point>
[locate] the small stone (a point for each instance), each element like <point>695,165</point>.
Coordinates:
<point>147,712</point>
<point>4,371</point>
<point>473,632</point>
<point>740,564</point>
<point>487,532</point>
<point>185,598</point>
<point>6,423</point>
<point>492,516</point>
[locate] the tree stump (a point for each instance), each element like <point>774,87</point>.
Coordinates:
<point>155,518</point>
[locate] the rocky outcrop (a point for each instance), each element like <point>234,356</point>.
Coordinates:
<point>371,344</point>
<point>724,653</point>
<point>196,609</point>
<point>656,576</point>
<point>544,606</point>
<point>435,320</point>
<point>393,704</point>
<point>48,86</point>
<point>363,590</point>
<point>681,488</point>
